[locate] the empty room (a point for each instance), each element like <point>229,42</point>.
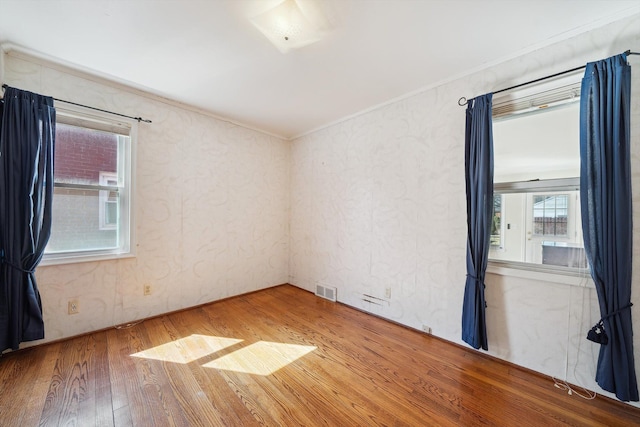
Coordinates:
<point>319,212</point>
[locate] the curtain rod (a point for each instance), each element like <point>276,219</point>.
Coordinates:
<point>463,101</point>
<point>139,119</point>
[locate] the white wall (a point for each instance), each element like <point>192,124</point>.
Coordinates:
<point>379,201</point>
<point>212,210</point>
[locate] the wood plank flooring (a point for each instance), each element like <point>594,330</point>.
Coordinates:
<point>280,357</point>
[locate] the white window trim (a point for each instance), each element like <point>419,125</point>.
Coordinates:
<point>103,121</point>
<point>549,274</point>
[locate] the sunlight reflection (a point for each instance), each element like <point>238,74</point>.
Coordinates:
<point>261,358</point>
<point>186,350</point>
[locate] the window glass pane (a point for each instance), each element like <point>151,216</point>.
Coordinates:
<point>496,225</point>
<point>550,215</point>
<point>550,204</point>
<point>81,154</point>
<point>540,145</point>
<point>76,224</point>
<point>111,213</point>
<point>109,208</point>
<point>541,235</point>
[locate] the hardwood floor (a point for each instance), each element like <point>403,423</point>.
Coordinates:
<point>280,357</point>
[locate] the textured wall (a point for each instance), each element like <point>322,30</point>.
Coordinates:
<point>378,201</point>
<point>212,210</point>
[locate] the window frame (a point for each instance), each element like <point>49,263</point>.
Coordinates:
<point>83,117</point>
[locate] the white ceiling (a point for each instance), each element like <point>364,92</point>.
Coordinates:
<point>206,53</point>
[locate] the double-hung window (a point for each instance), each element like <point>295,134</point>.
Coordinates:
<point>536,220</point>
<point>92,201</point>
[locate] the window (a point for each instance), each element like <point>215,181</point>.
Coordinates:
<point>550,215</point>
<point>536,221</point>
<point>92,188</point>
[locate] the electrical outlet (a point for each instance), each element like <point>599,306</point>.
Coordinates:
<point>147,289</point>
<point>426,329</point>
<point>387,293</point>
<point>73,307</point>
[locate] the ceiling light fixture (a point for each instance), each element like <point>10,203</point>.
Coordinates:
<point>287,27</point>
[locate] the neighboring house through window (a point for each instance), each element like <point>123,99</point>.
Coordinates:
<point>108,201</point>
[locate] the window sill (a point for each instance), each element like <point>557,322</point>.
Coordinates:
<point>549,274</point>
<point>49,260</point>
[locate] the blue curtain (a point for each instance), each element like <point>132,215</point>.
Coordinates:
<point>27,132</point>
<point>605,190</point>
<point>479,183</point>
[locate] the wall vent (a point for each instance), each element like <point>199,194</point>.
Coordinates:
<point>327,292</point>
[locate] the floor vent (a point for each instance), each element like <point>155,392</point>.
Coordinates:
<point>327,292</point>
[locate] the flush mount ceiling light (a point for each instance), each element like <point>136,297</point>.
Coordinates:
<point>287,27</point>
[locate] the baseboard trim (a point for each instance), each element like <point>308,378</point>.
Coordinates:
<point>135,322</point>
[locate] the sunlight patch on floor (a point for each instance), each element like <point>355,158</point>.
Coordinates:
<point>261,358</point>
<point>188,349</point>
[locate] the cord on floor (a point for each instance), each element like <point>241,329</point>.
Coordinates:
<point>128,325</point>
<point>583,392</point>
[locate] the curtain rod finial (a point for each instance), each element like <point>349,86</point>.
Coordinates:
<point>462,101</point>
